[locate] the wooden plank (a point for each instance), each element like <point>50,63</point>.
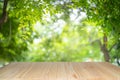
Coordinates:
<point>60,71</point>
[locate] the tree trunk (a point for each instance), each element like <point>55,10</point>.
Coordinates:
<point>106,53</point>
<point>3,18</point>
<point>104,48</point>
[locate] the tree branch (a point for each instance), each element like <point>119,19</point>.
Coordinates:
<point>112,47</point>
<point>103,47</point>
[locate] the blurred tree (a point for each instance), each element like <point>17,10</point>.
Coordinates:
<point>106,14</point>
<point>19,16</point>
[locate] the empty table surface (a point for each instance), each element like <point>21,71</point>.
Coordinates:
<point>60,71</point>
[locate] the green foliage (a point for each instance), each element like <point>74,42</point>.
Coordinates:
<point>73,41</point>
<point>106,14</point>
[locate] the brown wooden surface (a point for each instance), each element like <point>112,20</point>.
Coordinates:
<point>60,71</point>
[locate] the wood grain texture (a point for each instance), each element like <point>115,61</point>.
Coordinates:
<point>60,71</point>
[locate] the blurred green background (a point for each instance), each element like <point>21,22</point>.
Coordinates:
<point>59,30</point>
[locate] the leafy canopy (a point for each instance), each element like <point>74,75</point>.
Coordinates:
<point>18,32</point>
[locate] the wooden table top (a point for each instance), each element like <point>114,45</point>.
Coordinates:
<point>60,71</point>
